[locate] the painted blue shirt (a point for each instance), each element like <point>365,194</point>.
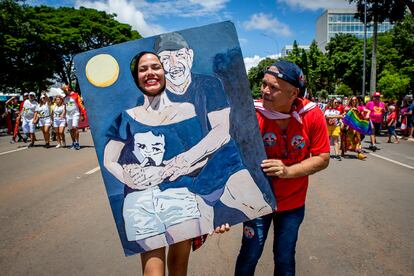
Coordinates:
<point>179,137</point>
<point>206,93</point>
<point>208,181</point>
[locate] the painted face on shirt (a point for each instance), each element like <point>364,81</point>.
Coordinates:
<point>151,78</point>
<point>277,94</point>
<point>150,147</point>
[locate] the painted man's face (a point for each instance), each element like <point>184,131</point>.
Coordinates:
<point>177,65</point>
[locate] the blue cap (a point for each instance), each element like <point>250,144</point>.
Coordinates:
<point>288,71</point>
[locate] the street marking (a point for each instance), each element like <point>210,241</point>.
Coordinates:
<point>10,151</point>
<point>93,170</point>
<point>392,161</point>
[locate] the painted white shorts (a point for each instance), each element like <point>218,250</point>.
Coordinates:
<point>46,121</point>
<point>73,121</point>
<point>57,122</point>
<point>150,212</point>
<point>28,126</point>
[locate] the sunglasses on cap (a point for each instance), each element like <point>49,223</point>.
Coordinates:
<point>278,75</point>
<point>273,73</point>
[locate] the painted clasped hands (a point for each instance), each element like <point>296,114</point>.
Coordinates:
<point>140,177</point>
<point>176,167</point>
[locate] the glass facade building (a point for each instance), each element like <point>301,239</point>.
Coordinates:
<point>335,21</point>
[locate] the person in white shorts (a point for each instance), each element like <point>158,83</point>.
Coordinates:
<point>59,121</point>
<point>44,118</point>
<point>74,112</point>
<point>28,112</point>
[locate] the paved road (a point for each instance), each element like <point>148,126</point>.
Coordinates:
<point>55,218</point>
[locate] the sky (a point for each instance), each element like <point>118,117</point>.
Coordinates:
<point>264,27</point>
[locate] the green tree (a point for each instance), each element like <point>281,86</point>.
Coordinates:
<point>38,43</point>
<point>304,63</point>
<point>378,12</point>
<point>388,56</point>
<point>295,56</point>
<point>322,94</point>
<point>393,85</point>
<point>319,72</point>
<point>344,89</point>
<point>69,31</point>
<point>344,52</point>
<point>403,43</point>
<point>23,52</point>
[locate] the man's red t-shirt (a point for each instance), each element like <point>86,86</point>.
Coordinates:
<point>297,143</point>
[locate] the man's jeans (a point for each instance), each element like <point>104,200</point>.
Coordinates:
<point>286,228</point>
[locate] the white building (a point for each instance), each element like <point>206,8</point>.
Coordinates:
<point>335,21</point>
<point>287,49</point>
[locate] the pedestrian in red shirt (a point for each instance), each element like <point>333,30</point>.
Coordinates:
<point>296,141</point>
<point>391,124</point>
<point>338,105</point>
<point>75,111</point>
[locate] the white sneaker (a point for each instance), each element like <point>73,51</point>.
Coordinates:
<point>58,146</point>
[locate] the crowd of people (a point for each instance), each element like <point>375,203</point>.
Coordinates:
<point>51,114</point>
<point>350,120</point>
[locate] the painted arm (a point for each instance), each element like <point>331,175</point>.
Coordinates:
<point>314,164</point>
<point>196,157</point>
<point>111,155</point>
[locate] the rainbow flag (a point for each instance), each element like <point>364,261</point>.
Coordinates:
<point>352,120</point>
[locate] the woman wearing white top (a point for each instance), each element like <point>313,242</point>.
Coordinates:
<point>42,115</point>
<point>28,112</point>
<point>59,121</point>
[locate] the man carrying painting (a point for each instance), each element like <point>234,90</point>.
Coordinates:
<point>296,141</point>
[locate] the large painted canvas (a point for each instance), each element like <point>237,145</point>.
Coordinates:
<point>177,165</point>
